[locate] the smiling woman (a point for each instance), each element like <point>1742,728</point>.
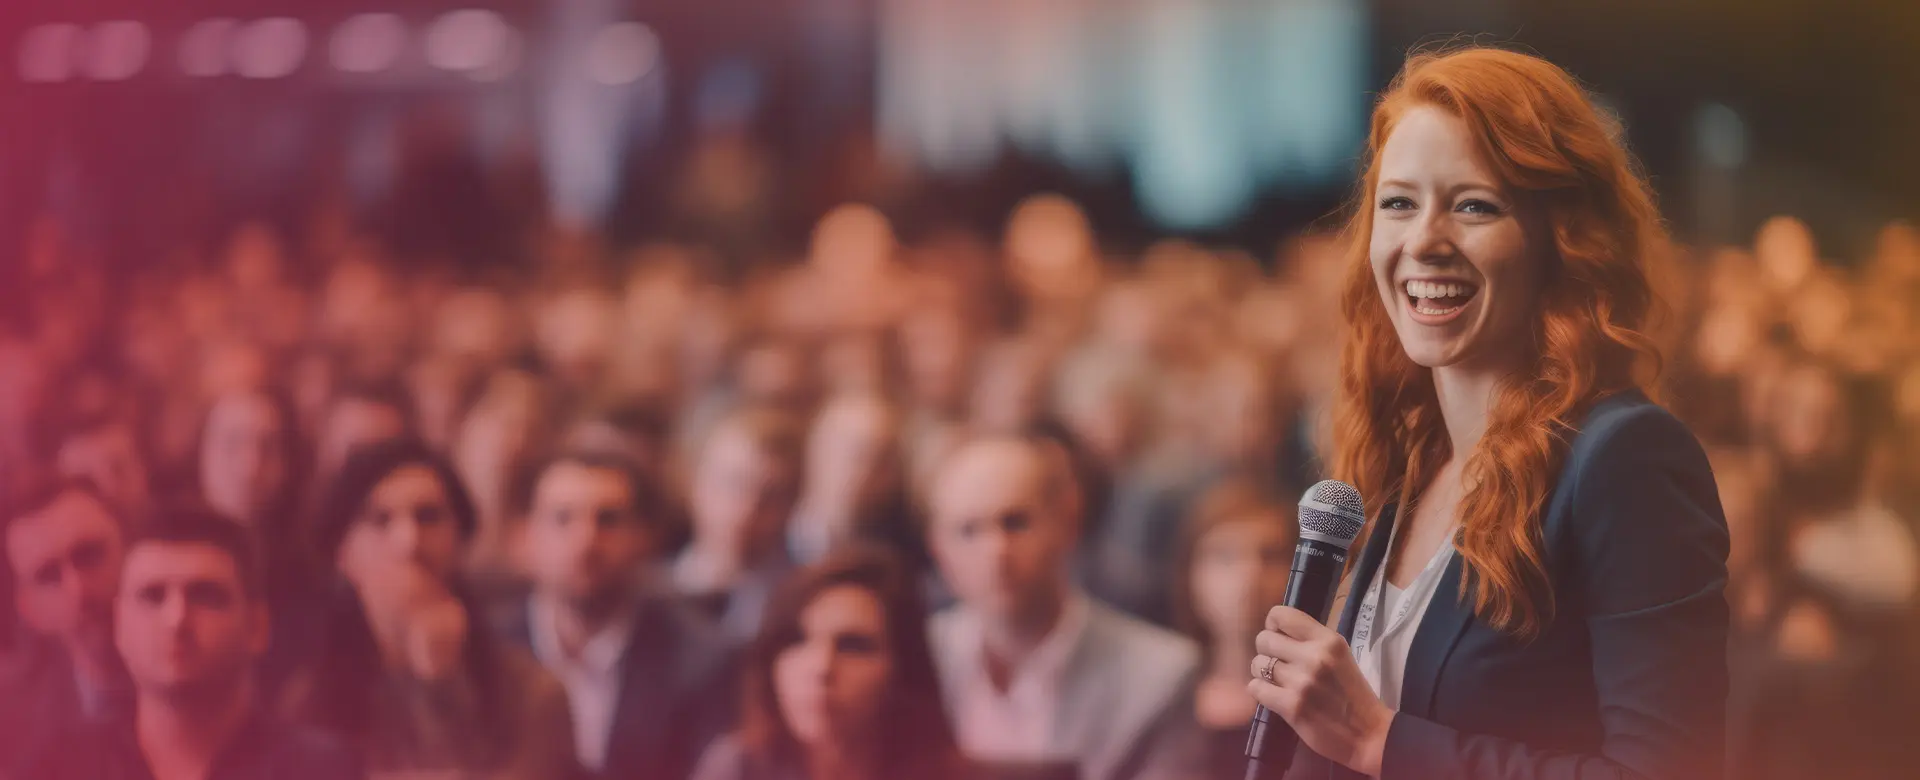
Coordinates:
<point>1540,592</point>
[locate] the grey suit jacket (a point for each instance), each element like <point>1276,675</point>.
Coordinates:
<point>1126,701</point>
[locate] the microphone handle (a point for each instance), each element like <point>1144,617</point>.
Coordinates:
<point>1311,583</point>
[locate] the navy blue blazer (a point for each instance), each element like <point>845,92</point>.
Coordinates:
<point>1630,678</point>
<point>676,690</point>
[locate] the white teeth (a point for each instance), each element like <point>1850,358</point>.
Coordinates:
<point>1425,289</point>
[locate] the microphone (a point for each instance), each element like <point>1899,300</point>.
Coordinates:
<point>1331,514</point>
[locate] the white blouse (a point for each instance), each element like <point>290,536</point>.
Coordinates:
<point>1388,620</point>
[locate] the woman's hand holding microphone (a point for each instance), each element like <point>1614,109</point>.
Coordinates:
<point>1305,673</point>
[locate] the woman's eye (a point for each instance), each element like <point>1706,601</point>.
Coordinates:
<point>1396,203</point>
<point>1479,207</point>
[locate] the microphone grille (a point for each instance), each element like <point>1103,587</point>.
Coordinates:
<point>1332,511</point>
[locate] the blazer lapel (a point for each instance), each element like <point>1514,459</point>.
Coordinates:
<point>645,700</point>
<point>1440,630</point>
<point>1371,558</point>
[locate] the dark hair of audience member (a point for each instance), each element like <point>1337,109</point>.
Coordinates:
<point>193,523</point>
<point>919,738</point>
<point>1090,479</point>
<point>347,663</point>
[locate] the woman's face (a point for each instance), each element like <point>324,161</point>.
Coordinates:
<point>850,453</point>
<point>741,495</point>
<point>831,683</point>
<point>1240,569</point>
<point>243,464</point>
<point>1454,257</point>
<point>408,517</point>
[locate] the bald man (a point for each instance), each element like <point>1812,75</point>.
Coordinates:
<point>1033,670</point>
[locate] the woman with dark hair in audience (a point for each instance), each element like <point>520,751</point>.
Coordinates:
<point>1232,564</point>
<point>248,465</point>
<point>403,669</point>
<point>840,683</point>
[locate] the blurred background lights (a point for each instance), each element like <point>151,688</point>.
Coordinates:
<point>622,53</point>
<point>467,40</point>
<point>116,51</point>
<point>368,43</point>
<point>47,53</point>
<point>269,48</point>
<point>513,50</point>
<point>204,47</point>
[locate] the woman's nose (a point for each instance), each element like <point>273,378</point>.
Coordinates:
<point>1431,240</point>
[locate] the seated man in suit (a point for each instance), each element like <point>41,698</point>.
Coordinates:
<point>1033,669</point>
<point>648,681</point>
<point>191,620</point>
<point>63,546</point>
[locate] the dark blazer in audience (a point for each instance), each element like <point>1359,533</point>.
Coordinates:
<point>676,691</point>
<point>40,697</point>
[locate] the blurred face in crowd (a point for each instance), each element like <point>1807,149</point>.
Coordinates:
<point>1237,418</point>
<point>1103,404</point>
<point>1456,264</point>
<point>1807,411</point>
<point>1051,248</point>
<point>1007,393</point>
<point>109,456</point>
<point>1785,249</point>
<point>831,683</point>
<point>407,518</point>
<point>243,462</point>
<point>854,365</point>
<point>575,333</point>
<point>353,423</point>
<point>585,539</point>
<point>1001,540</point>
<point>65,560</point>
<point>935,347</point>
<point>774,374</point>
<point>851,452</point>
<point>473,325</point>
<point>1240,568</point>
<point>741,494</point>
<point>185,622</point>
<point>1728,335</point>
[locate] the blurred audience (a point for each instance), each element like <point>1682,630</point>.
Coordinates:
<point>1065,439</point>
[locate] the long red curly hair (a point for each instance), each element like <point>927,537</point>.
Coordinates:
<point>1548,144</point>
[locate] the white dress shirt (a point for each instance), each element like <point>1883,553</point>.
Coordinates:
<point>1016,724</point>
<point>592,677</point>
<point>1388,620</point>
